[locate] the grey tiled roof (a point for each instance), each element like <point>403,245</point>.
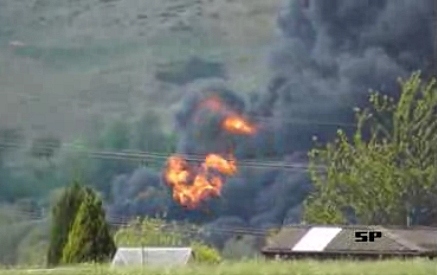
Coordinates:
<point>393,239</point>
<point>287,237</point>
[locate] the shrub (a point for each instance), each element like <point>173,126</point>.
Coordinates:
<point>205,254</point>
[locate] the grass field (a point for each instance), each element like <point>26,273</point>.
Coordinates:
<point>393,267</point>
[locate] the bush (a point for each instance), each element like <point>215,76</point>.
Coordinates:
<point>205,254</point>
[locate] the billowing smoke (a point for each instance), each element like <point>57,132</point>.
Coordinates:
<point>326,58</point>
<point>198,124</point>
<point>330,53</point>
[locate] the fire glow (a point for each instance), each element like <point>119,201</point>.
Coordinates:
<point>193,184</point>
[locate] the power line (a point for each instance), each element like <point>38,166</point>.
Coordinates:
<point>150,156</point>
<point>180,227</point>
<point>123,221</point>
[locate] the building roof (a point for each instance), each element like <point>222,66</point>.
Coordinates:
<point>341,239</point>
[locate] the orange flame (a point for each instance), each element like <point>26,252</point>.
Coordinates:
<point>192,185</point>
<point>222,165</point>
<point>206,183</point>
<point>237,125</point>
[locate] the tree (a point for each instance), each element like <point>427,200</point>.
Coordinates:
<point>63,215</point>
<point>386,173</point>
<point>90,239</point>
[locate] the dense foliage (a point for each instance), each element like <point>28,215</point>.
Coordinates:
<point>387,172</point>
<point>89,239</point>
<point>63,216</point>
<point>31,168</point>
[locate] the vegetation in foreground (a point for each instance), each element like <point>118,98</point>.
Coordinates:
<point>394,149</point>
<point>410,267</point>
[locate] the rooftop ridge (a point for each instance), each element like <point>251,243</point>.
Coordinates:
<point>348,226</point>
<point>398,239</point>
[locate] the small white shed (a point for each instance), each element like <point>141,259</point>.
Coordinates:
<point>152,256</point>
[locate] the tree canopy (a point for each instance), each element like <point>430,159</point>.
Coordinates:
<point>63,215</point>
<point>90,239</point>
<point>386,173</point>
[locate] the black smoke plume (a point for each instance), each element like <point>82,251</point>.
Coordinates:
<point>330,53</point>
<point>326,58</point>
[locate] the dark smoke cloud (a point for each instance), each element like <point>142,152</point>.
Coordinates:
<point>139,194</point>
<point>198,126</point>
<point>331,52</point>
<point>327,57</point>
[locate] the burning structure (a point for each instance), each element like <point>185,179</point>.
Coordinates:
<point>325,58</point>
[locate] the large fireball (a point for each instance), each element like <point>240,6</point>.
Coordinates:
<point>193,184</point>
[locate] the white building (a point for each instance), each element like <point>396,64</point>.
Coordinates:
<point>152,256</point>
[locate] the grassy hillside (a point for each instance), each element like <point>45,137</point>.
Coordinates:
<point>265,268</point>
<point>61,62</point>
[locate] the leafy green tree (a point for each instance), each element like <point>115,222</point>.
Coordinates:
<point>63,215</point>
<point>90,239</point>
<point>386,173</point>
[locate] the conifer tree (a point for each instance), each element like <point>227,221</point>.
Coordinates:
<point>63,215</point>
<point>89,239</point>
